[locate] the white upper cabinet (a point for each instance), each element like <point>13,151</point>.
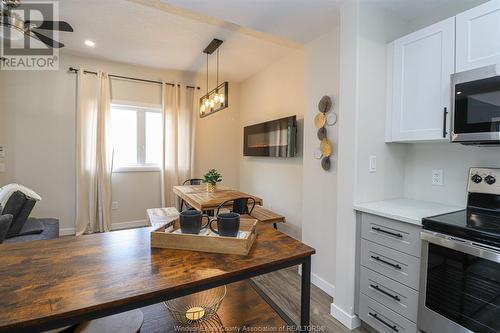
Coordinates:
<point>420,65</point>
<point>478,36</point>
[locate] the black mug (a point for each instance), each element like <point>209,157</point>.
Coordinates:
<point>191,221</point>
<point>228,224</point>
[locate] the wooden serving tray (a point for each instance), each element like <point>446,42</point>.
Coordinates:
<point>173,239</point>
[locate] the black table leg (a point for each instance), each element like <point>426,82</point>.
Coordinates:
<point>305,294</point>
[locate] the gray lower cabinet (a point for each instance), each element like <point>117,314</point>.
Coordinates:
<point>389,271</point>
<point>383,319</point>
<point>395,296</point>
<point>398,266</point>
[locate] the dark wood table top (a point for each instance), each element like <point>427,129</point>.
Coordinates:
<point>71,279</point>
<point>198,197</point>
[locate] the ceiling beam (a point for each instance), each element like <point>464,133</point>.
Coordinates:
<point>189,14</point>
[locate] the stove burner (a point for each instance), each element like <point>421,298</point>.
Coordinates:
<point>483,222</point>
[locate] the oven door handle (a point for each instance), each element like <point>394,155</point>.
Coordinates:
<point>462,245</point>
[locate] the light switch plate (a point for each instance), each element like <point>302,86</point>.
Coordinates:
<point>437,177</point>
<point>372,166</point>
<point>114,205</point>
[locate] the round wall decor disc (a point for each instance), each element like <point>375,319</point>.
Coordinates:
<point>325,104</point>
<point>331,119</point>
<point>322,133</point>
<point>325,163</point>
<point>320,120</point>
<point>325,147</point>
<point>317,153</point>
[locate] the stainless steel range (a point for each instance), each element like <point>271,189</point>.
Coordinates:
<point>460,267</point>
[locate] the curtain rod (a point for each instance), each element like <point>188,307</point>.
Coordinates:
<point>75,70</point>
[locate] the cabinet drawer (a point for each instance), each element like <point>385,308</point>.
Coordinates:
<point>397,235</point>
<point>382,319</point>
<point>394,295</point>
<point>396,265</point>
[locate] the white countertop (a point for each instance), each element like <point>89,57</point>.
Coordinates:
<point>406,210</point>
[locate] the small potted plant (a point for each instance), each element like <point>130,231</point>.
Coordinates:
<point>211,178</point>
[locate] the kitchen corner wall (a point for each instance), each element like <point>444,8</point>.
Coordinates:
<point>320,186</point>
<point>275,92</point>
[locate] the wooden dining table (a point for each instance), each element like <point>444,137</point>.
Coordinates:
<point>65,281</point>
<point>197,196</point>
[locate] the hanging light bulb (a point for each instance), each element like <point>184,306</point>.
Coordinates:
<point>212,103</point>
<point>202,109</point>
<point>216,98</point>
<point>206,102</point>
<point>222,98</point>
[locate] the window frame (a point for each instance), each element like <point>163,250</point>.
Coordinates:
<point>141,165</point>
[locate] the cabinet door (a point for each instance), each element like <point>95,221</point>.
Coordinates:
<point>422,64</point>
<point>478,36</point>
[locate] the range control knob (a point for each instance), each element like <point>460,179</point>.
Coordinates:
<point>476,178</point>
<point>490,180</point>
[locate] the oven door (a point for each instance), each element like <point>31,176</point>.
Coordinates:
<point>459,286</point>
<point>476,106</point>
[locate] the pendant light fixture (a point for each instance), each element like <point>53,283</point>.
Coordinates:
<point>216,99</point>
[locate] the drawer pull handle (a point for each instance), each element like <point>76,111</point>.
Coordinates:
<point>386,262</point>
<point>377,288</point>
<point>392,327</point>
<point>395,234</point>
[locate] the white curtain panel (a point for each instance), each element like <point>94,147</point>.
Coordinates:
<point>179,122</point>
<point>93,154</point>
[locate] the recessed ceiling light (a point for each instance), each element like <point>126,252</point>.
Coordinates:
<point>89,43</point>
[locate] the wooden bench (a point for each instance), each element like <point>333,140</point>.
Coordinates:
<point>266,216</point>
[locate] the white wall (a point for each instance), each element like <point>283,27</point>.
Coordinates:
<point>319,186</point>
<point>455,161</point>
<point>276,92</point>
<point>218,142</point>
<point>365,30</point>
<point>39,130</point>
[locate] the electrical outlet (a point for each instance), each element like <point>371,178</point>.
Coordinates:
<point>372,166</point>
<point>437,177</point>
<point>114,205</point>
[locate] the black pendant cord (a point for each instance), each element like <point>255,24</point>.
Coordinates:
<point>75,70</point>
<point>207,75</point>
<point>217,75</point>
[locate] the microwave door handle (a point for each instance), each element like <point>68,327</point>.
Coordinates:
<point>445,115</point>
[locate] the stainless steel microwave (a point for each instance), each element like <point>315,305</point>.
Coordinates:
<point>475,102</point>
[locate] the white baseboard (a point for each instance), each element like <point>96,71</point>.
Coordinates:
<point>320,283</point>
<point>114,226</point>
<point>129,224</point>
<point>67,231</point>
<point>351,321</point>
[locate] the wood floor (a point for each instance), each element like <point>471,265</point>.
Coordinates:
<point>283,288</point>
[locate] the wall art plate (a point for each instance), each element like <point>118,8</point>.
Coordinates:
<point>325,147</point>
<point>325,163</point>
<point>325,104</point>
<point>321,133</point>
<point>331,119</point>
<point>320,120</point>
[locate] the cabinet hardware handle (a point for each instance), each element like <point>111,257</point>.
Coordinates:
<point>445,115</point>
<point>395,234</point>
<point>386,262</point>
<point>392,327</point>
<point>377,288</point>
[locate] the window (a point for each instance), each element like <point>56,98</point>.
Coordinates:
<point>137,138</point>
